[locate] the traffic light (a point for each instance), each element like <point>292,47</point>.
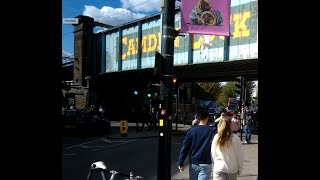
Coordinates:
<point>174,80</point>
<point>239,84</point>
<point>149,89</point>
<point>158,67</point>
<point>135,92</point>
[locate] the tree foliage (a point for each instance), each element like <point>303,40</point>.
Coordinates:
<point>211,90</point>
<point>220,94</point>
<point>227,91</point>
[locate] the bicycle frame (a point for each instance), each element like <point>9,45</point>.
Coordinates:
<point>113,173</point>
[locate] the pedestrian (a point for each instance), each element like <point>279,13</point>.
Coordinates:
<point>195,121</point>
<point>145,117</point>
<point>247,128</point>
<point>197,145</point>
<point>227,153</point>
<point>217,121</point>
<point>101,110</point>
<point>235,124</point>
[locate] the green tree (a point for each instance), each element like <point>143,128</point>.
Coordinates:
<point>227,91</point>
<point>211,90</point>
<point>249,85</point>
<point>256,97</point>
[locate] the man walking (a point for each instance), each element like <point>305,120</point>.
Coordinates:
<point>197,144</point>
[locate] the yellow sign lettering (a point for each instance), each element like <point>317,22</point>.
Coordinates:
<point>124,42</point>
<point>212,38</point>
<point>155,42</point>
<point>131,49</point>
<point>137,43</point>
<point>176,40</point>
<point>240,28</point>
<point>144,44</point>
<point>197,44</point>
<point>151,42</point>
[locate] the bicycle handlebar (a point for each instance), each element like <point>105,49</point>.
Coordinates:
<point>118,173</point>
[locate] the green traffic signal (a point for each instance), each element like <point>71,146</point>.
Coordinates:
<point>135,92</point>
<point>149,95</point>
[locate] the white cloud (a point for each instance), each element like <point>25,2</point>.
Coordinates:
<point>66,54</point>
<point>110,15</point>
<point>98,29</point>
<point>142,5</point>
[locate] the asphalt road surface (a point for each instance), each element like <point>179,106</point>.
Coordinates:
<point>139,156</point>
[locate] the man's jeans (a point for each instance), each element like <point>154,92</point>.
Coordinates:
<point>200,171</point>
<point>248,133</point>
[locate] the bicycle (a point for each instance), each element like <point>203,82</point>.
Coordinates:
<point>100,166</point>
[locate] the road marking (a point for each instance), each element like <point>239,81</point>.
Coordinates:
<point>111,141</point>
<point>114,145</point>
<point>77,138</point>
<point>82,144</point>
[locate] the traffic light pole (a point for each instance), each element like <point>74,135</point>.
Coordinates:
<point>177,108</point>
<point>165,123</point>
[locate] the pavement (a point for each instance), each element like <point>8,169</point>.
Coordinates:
<point>146,133</point>
<point>250,166</point>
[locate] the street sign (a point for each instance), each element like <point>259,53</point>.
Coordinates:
<point>70,20</point>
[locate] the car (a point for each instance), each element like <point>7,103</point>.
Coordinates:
<point>213,113</point>
<point>72,119</point>
<point>84,123</point>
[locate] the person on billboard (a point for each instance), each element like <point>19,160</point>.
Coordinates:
<point>204,49</point>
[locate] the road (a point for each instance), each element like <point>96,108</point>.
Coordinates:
<point>139,155</point>
<point>124,155</point>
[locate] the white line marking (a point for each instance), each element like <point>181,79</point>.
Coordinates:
<point>82,144</point>
<point>111,141</point>
<point>114,145</point>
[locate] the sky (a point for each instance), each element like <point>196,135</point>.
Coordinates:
<point>113,12</point>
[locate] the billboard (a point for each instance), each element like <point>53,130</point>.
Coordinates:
<point>204,47</point>
<point>205,17</point>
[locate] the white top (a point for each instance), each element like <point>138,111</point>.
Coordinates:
<point>218,119</point>
<point>194,121</point>
<point>235,124</point>
<point>231,160</point>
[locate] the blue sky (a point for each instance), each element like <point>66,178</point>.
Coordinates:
<point>72,8</point>
<point>113,12</point>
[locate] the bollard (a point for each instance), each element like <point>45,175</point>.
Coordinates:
<point>124,128</point>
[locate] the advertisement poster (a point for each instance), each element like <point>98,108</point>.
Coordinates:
<point>205,17</point>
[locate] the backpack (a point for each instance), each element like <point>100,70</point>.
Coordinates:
<point>235,126</point>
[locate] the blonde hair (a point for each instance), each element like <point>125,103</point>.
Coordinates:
<point>224,133</point>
